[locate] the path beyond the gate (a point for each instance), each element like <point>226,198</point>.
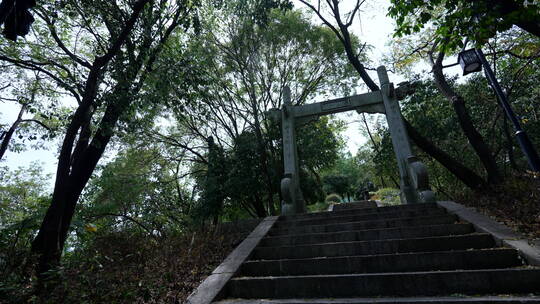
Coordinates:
<point>359,253</point>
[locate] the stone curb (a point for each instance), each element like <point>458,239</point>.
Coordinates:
<point>212,288</point>
<point>503,235</point>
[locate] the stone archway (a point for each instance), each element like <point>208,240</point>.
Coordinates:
<point>414,181</point>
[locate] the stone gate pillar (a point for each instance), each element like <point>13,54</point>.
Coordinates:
<point>293,200</point>
<point>414,183</point>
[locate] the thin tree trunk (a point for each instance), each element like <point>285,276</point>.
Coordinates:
<point>383,183</point>
<point>264,159</point>
<point>509,144</point>
<point>6,137</point>
<point>474,137</point>
<point>259,206</point>
<point>464,174</point>
<point>394,181</point>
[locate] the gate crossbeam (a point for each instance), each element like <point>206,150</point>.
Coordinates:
<point>367,101</point>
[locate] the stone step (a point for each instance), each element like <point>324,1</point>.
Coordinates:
<point>503,299</point>
<point>370,224</point>
<point>364,235</point>
<point>386,209</point>
<point>423,261</point>
<point>361,217</point>
<point>355,205</point>
<point>440,243</point>
<point>471,282</point>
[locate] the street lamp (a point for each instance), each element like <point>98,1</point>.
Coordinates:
<point>471,61</point>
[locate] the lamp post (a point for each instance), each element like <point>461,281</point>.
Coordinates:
<point>472,61</point>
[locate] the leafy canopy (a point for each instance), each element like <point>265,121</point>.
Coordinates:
<point>455,20</point>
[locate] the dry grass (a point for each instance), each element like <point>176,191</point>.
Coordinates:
<point>515,203</point>
<point>127,268</point>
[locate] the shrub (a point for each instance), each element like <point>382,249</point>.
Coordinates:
<point>333,198</point>
<point>387,196</point>
<point>318,207</point>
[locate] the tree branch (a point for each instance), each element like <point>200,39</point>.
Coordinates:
<point>115,47</point>
<point>37,122</point>
<point>54,34</point>
<point>32,65</point>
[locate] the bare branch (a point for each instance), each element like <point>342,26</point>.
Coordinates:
<point>450,65</point>
<point>353,13</point>
<point>37,122</point>
<point>317,11</point>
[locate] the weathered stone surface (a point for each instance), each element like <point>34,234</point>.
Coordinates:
<point>326,214</point>
<point>396,300</point>
<point>362,217</point>
<point>355,205</point>
<point>414,182</point>
<point>404,262</point>
<point>212,287</point>
<point>368,224</point>
<point>369,256</point>
<point>476,241</point>
<point>365,235</point>
<point>502,234</point>
<point>389,284</point>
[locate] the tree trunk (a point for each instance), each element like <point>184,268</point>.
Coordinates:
<point>54,229</point>
<point>259,206</point>
<point>383,184</point>
<point>75,166</point>
<point>464,174</point>
<point>394,181</point>
<point>353,59</point>
<point>6,137</point>
<point>474,137</point>
<point>264,160</point>
<point>509,144</point>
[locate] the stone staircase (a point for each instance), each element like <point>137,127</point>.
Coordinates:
<point>363,254</point>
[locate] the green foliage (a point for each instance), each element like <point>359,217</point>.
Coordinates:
<point>454,20</point>
<point>244,182</point>
<point>138,191</point>
<point>339,184</point>
<point>311,187</point>
<point>347,176</point>
<point>433,116</point>
<point>23,201</point>
<point>319,143</point>
<point>134,237</point>
<point>41,116</point>
<point>387,196</point>
<point>214,191</point>
<point>241,68</point>
<point>318,207</point>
